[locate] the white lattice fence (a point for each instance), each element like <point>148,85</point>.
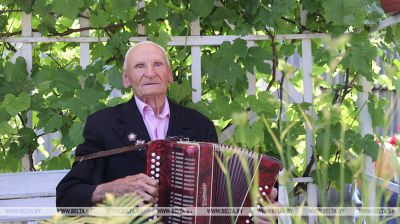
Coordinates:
<point>195,41</point>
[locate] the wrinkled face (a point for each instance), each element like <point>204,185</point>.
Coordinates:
<point>147,71</point>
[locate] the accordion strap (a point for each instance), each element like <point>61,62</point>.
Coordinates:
<point>110,152</point>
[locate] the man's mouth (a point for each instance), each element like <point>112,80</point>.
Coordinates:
<point>151,83</point>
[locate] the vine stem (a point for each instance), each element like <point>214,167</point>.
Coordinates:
<point>274,59</point>
<point>69,31</point>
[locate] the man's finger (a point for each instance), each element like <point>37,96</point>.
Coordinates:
<point>273,194</point>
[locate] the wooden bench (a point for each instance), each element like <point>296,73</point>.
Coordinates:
<point>28,189</point>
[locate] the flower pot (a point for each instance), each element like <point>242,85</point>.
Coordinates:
<point>390,6</point>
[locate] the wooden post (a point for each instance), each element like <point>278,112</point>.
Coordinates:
<point>27,55</point>
<point>196,63</point>
<point>365,125</point>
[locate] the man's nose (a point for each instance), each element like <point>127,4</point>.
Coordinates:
<point>150,72</point>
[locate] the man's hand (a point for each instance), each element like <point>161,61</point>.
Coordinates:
<point>141,184</point>
<point>261,218</point>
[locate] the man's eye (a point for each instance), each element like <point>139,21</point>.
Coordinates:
<point>139,66</point>
<point>158,64</point>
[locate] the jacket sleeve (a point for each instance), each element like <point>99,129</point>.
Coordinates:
<point>76,188</point>
<point>211,133</point>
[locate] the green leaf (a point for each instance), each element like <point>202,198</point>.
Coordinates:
<point>181,91</point>
<point>343,12</point>
<point>16,72</point>
<point>162,38</point>
<point>5,128</point>
<point>114,78</point>
<point>49,120</point>
<point>122,8</point>
<point>14,105</point>
<point>396,83</point>
<point>58,162</point>
<point>264,103</point>
<point>225,111</point>
<point>328,140</point>
<point>68,8</point>
<point>360,60</point>
<point>335,175</point>
<point>90,96</point>
<point>376,110</point>
<point>256,58</point>
<point>201,8</point>
<point>250,136</point>
<point>156,9</point>
<point>40,7</point>
<point>66,82</point>
<point>76,133</point>
<point>99,18</point>
<point>371,147</point>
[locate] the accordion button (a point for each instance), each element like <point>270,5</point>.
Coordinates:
<point>152,166</point>
<point>250,214</point>
<point>157,169</point>
<point>153,154</point>
<point>153,160</point>
<point>157,175</point>
<point>260,188</point>
<point>247,221</point>
<point>157,163</point>
<point>158,157</point>
<point>266,187</point>
<point>152,172</point>
<point>264,194</point>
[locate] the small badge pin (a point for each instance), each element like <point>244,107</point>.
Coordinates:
<point>140,142</point>
<point>132,137</point>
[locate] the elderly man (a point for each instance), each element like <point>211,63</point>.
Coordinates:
<point>149,115</point>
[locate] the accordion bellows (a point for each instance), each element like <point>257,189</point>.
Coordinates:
<point>194,174</point>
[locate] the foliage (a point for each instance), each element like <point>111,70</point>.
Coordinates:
<point>58,94</point>
<point>113,210</point>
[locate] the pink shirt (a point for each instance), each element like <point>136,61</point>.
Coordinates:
<point>157,126</point>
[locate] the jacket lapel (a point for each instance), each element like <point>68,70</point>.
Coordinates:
<point>131,126</point>
<point>177,126</point>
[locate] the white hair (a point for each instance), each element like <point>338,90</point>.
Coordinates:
<point>138,44</point>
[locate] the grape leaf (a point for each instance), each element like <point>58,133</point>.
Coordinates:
<point>156,9</point>
<point>201,8</point>
<point>14,105</point>
<point>68,8</point>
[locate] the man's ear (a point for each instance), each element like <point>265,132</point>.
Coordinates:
<point>170,76</point>
<point>125,79</point>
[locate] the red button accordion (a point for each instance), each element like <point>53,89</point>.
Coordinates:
<point>192,174</point>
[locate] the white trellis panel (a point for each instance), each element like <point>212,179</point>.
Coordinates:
<point>251,77</point>
<point>365,125</point>
<point>84,47</point>
<point>196,63</point>
<point>175,40</point>
<point>307,61</point>
<point>26,53</point>
<point>141,29</point>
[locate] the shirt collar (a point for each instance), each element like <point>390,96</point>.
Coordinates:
<point>145,108</point>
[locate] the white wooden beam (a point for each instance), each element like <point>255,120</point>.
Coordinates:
<point>307,63</point>
<point>84,46</point>
<point>141,29</point>
<point>175,40</point>
<point>251,77</point>
<point>196,63</point>
<point>26,53</point>
<point>365,125</point>
<point>387,22</point>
